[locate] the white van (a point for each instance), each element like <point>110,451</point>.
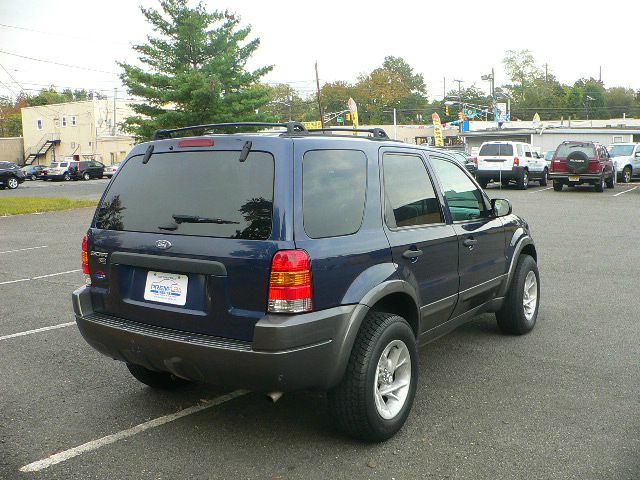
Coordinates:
<point>510,162</point>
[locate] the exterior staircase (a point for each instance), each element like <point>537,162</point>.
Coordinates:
<point>45,144</point>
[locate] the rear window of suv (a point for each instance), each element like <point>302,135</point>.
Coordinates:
<point>496,150</point>
<point>566,149</point>
<point>333,192</point>
<point>210,194</point>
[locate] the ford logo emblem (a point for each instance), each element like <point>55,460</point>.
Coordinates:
<point>163,244</point>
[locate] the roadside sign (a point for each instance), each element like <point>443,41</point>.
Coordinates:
<point>437,130</point>
<point>340,120</point>
<point>312,125</point>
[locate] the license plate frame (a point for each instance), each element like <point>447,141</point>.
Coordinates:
<point>166,288</point>
<point>574,178</point>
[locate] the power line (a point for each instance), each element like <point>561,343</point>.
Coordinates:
<point>57,63</point>
<point>76,37</point>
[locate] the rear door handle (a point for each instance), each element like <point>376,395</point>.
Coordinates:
<point>469,242</point>
<point>411,253</point>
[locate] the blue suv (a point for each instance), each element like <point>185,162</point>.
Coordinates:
<point>298,259</point>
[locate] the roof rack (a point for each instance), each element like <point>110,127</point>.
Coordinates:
<point>292,128</point>
<point>378,133</point>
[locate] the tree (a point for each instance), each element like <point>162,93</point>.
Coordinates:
<point>619,101</point>
<point>285,104</point>
<point>522,70</point>
<point>194,71</point>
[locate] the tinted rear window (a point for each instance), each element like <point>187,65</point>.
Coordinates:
<point>566,149</point>
<point>333,192</point>
<point>496,150</point>
<point>208,194</point>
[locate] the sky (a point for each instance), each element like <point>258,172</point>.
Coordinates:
<point>444,41</point>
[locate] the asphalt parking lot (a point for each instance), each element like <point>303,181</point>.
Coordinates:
<point>559,403</point>
<point>78,190</point>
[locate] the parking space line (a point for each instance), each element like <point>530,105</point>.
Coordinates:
<point>626,191</point>
<point>109,439</point>
<point>37,330</point>
<point>23,249</point>
<point>542,190</point>
<point>55,274</point>
<point>15,281</point>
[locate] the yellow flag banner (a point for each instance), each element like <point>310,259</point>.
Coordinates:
<point>437,130</point>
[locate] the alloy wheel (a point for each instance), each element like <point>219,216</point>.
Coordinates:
<point>530,297</point>
<point>392,379</point>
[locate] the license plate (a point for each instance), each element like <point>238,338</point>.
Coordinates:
<point>574,178</point>
<point>166,288</point>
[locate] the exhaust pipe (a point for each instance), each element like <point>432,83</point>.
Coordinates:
<point>274,396</point>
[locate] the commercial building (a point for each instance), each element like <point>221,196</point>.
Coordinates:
<point>12,150</point>
<point>86,130</point>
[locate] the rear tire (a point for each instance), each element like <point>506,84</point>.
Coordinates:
<point>523,180</point>
<point>600,185</point>
<point>483,182</point>
<point>520,308</point>
<point>86,176</point>
<point>611,181</point>
<point>358,402</point>
<point>544,181</point>
<point>12,183</point>
<point>505,183</point>
<point>557,186</point>
<point>160,380</point>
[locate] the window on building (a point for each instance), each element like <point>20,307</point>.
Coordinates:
<point>74,120</point>
<point>64,121</point>
<point>618,139</point>
<point>39,124</point>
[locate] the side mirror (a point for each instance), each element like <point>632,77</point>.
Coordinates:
<point>637,154</point>
<point>501,207</point>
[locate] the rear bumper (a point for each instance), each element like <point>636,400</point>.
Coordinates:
<point>582,177</point>
<point>288,352</point>
<point>498,175</point>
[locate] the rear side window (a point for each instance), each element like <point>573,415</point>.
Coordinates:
<point>409,196</point>
<point>333,192</point>
<point>209,194</point>
<point>496,150</point>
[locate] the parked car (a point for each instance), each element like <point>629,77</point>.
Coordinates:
<point>508,162</point>
<point>463,159</point>
<point>576,163</point>
<point>32,172</point>
<point>110,170</point>
<point>10,175</point>
<point>59,171</point>
<point>548,156</point>
<point>87,169</point>
<point>626,159</point>
<point>292,262</point>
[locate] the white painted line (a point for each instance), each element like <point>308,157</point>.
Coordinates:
<point>23,249</point>
<point>101,442</point>
<point>55,274</point>
<point>626,191</point>
<point>15,281</point>
<point>37,330</point>
<point>536,191</point>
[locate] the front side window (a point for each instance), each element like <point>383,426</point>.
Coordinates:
<point>334,185</point>
<point>410,199</point>
<point>465,200</point>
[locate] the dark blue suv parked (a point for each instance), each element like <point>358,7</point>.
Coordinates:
<point>298,260</point>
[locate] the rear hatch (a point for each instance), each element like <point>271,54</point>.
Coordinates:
<point>185,241</point>
<point>575,158</point>
<point>496,156</point>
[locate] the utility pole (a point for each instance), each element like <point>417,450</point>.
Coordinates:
<point>444,88</point>
<point>459,90</point>
<point>546,72</point>
<point>319,97</point>
<point>115,96</point>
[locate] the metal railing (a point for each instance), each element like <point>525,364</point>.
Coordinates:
<point>47,138</point>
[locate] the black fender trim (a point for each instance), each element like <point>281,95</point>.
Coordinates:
<point>517,250</point>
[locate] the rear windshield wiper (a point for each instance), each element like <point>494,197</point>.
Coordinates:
<point>195,219</point>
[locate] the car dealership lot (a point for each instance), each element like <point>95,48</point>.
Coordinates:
<point>560,402</point>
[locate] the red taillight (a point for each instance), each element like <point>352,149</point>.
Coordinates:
<point>290,282</point>
<point>196,142</point>
<point>516,161</point>
<point>85,256</point>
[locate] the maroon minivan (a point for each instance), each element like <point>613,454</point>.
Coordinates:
<point>576,162</point>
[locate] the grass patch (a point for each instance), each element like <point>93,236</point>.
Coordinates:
<point>22,205</point>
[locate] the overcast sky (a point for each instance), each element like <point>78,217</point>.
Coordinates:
<point>453,40</point>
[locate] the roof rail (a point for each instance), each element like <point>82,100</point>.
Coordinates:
<point>292,128</point>
<point>375,132</point>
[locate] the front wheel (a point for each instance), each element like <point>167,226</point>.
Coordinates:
<point>545,178</point>
<point>520,308</point>
<point>12,183</point>
<point>160,380</point>
<point>375,396</point>
<point>86,176</point>
<point>626,174</point>
<point>67,177</point>
<point>33,177</point>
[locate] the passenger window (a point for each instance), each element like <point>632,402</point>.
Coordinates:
<point>465,200</point>
<point>527,152</point>
<point>334,183</point>
<point>410,199</point>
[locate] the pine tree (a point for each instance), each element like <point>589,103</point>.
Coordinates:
<point>194,71</point>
